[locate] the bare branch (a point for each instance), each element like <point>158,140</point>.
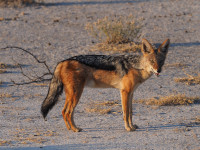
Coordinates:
<point>30,82</point>
<point>31,79</point>
<point>26,51</point>
<point>22,72</point>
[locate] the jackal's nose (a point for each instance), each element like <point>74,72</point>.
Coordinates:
<point>159,70</point>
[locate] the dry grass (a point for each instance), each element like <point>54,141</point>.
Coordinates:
<point>106,107</point>
<point>41,84</point>
<point>16,3</point>
<point>99,110</point>
<point>172,100</point>
<point>5,142</point>
<point>24,136</point>
<point>180,130</point>
<point>5,66</point>
<point>115,33</point>
<point>5,95</point>
<point>189,80</point>
<point>2,68</point>
<point>197,119</point>
<point>176,65</point>
<point>125,47</point>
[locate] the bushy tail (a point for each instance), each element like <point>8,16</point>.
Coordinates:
<point>55,90</point>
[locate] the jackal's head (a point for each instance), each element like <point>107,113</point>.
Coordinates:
<point>154,59</point>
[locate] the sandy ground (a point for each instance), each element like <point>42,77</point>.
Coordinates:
<point>56,32</point>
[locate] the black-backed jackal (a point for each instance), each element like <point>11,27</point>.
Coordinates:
<point>125,72</point>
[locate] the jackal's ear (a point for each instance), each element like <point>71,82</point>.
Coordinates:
<point>163,48</point>
<point>146,47</point>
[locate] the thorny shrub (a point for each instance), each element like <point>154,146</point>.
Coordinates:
<point>118,30</point>
<point>115,30</point>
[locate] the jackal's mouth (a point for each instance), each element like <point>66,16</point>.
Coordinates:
<point>157,74</point>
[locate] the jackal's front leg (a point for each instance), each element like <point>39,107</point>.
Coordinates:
<point>127,113</point>
<point>133,127</point>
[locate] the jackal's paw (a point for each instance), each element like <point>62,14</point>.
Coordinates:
<point>77,129</point>
<point>130,129</point>
<point>135,126</point>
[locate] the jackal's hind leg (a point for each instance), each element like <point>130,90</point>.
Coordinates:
<point>64,116</point>
<point>69,114</point>
<point>73,93</point>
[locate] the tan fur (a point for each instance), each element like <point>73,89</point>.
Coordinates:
<point>75,76</point>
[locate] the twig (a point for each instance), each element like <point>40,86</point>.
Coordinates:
<point>32,79</point>
<point>42,62</point>
<point>24,83</point>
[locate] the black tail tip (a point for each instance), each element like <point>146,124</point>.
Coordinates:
<point>44,116</point>
<point>44,113</point>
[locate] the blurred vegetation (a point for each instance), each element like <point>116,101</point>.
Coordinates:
<point>17,3</point>
<point>171,100</point>
<point>189,80</point>
<point>116,33</point>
